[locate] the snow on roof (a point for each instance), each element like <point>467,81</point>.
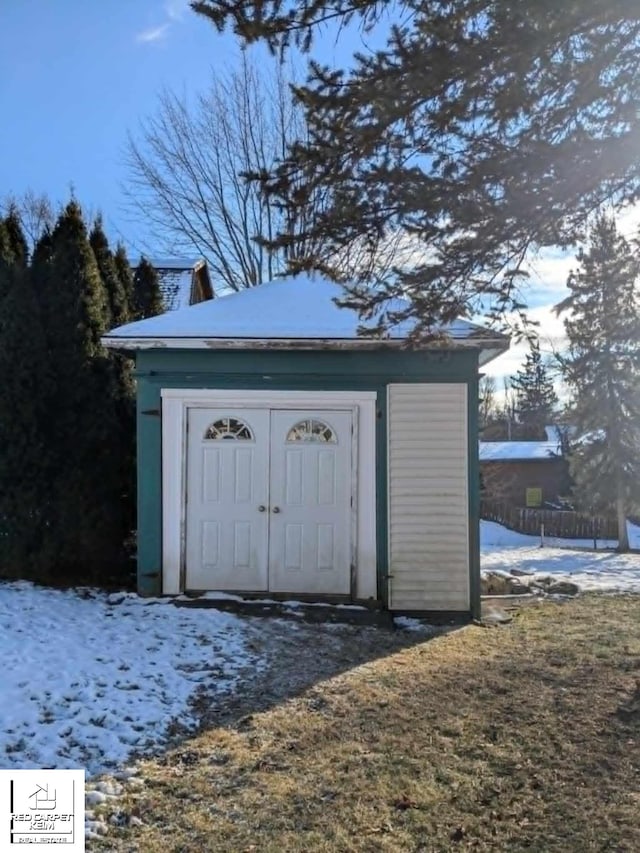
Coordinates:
<point>175,287</point>
<point>297,308</point>
<point>518,451</point>
<point>175,278</point>
<point>175,263</point>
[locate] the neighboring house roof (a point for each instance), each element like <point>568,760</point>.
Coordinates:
<point>518,451</point>
<point>177,278</point>
<point>292,310</point>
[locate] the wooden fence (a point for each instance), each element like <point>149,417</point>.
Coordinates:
<point>564,524</point>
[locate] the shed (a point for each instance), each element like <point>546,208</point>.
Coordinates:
<point>524,473</point>
<point>282,453</point>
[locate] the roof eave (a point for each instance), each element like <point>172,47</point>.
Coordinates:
<point>489,348</point>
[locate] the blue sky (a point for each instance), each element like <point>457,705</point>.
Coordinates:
<point>77,75</point>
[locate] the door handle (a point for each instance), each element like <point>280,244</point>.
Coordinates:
<point>262,508</point>
<point>276,509</point>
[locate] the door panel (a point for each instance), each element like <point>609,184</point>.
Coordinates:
<point>293,539</point>
<point>326,547</point>
<point>293,477</point>
<point>227,535</point>
<point>211,475</point>
<point>326,478</point>
<point>310,502</point>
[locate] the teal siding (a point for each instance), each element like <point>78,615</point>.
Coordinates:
<point>346,367</point>
<point>149,453</point>
<point>280,370</point>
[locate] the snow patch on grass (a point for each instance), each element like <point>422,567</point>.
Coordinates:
<point>89,678</point>
<point>504,550</point>
<point>494,535</point>
<point>408,623</point>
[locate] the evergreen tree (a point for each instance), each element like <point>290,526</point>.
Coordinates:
<point>5,250</point>
<point>15,236</point>
<point>13,247</point>
<point>147,298</point>
<point>125,404</point>
<point>125,275</point>
<point>536,398</point>
<point>89,527</point>
<point>116,276</point>
<point>73,297</point>
<point>602,372</point>
<point>6,260</point>
<point>85,439</point>
<point>67,422</point>
<point>479,129</point>
<point>118,307</point>
<point>25,404</point>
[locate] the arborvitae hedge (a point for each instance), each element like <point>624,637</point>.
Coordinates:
<point>125,275</point>
<point>117,297</point>
<point>66,414</point>
<point>147,297</point>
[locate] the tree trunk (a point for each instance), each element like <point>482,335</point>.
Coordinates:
<point>623,537</point>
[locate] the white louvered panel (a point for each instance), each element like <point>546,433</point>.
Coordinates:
<point>428,497</point>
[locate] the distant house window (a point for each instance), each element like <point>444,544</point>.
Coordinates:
<point>534,497</point>
<point>312,430</point>
<point>228,428</point>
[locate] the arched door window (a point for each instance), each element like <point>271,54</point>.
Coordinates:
<point>228,429</point>
<point>313,431</point>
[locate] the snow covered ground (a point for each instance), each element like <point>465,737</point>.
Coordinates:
<point>495,535</point>
<point>564,559</point>
<point>88,678</point>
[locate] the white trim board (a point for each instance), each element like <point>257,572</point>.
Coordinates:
<point>175,404</point>
<point>489,348</point>
<point>275,399</point>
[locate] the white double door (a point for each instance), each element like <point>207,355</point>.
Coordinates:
<point>269,496</point>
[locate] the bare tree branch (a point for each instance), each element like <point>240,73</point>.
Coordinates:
<point>189,169</point>
<point>35,210</point>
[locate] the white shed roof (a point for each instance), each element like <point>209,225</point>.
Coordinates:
<point>518,451</point>
<point>291,310</point>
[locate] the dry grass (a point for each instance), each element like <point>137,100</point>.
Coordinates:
<point>522,737</point>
